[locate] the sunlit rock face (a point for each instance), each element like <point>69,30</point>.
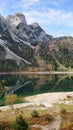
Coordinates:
<point>16,19</point>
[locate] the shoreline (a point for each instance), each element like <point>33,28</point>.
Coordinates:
<point>36,73</point>
<point>46,100</point>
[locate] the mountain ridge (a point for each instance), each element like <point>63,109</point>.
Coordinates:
<point>28,47</point>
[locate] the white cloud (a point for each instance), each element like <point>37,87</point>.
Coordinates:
<point>24,4</point>
<point>35,16</point>
<point>58,3</point>
<point>60,16</point>
<point>50,16</point>
<point>27,3</point>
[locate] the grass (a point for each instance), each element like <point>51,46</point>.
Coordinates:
<point>33,128</point>
<point>9,116</point>
<point>66,113</point>
<point>67,107</point>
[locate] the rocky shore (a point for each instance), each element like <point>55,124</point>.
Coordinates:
<point>47,100</point>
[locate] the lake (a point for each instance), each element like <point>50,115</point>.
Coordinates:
<point>26,85</point>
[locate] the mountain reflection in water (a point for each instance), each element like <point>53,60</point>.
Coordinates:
<point>25,85</point>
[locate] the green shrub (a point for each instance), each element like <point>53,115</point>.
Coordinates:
<point>49,117</point>
<point>63,111</point>
<point>35,113</point>
<point>20,123</point>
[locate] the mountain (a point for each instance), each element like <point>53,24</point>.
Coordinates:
<point>57,54</point>
<point>37,34</point>
<point>28,47</point>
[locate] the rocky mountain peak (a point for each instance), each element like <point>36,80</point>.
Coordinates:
<point>16,19</point>
<point>17,27</point>
<point>34,25</point>
<point>37,34</point>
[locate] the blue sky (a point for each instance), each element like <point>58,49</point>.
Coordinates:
<point>54,16</point>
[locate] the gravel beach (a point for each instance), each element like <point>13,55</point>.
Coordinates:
<point>47,100</point>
